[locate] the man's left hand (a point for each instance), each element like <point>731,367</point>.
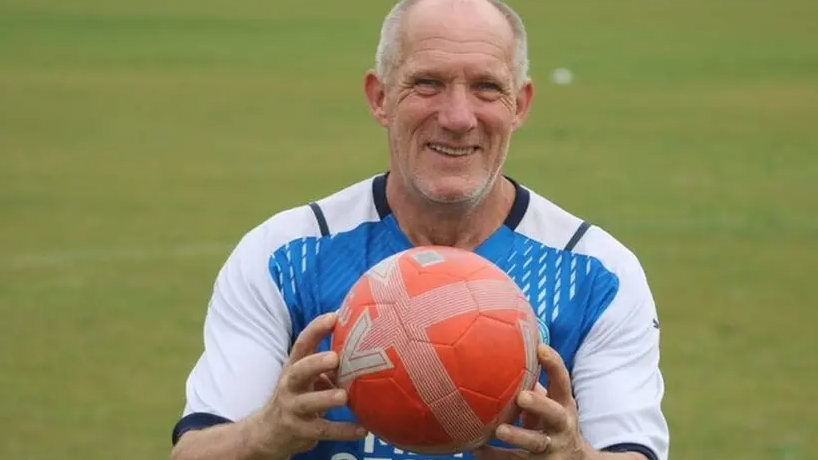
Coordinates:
<point>549,420</point>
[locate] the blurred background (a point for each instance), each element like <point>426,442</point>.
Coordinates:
<point>140,140</point>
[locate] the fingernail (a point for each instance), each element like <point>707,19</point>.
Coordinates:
<point>361,431</point>
<point>502,431</point>
<point>340,395</point>
<point>525,398</point>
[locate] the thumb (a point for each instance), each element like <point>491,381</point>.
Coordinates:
<point>559,381</point>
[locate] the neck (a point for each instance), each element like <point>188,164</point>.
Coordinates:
<point>460,225</point>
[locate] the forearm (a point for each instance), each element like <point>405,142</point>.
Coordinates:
<point>619,456</point>
<point>234,441</point>
<point>592,454</point>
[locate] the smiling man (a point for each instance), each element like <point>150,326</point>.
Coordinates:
<point>450,88</point>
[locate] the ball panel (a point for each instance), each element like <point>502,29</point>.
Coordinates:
<point>449,331</point>
<point>514,388</point>
<point>458,418</point>
<point>359,296</point>
<point>395,416</point>
<point>352,341</point>
<point>509,316</point>
<point>450,362</point>
<point>421,283</point>
<point>485,407</point>
<point>489,271</point>
<point>357,300</point>
<point>498,347</point>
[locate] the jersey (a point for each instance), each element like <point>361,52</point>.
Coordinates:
<point>588,290</point>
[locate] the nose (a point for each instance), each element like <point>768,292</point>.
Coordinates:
<point>456,112</point>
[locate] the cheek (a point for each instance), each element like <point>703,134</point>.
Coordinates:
<point>415,111</point>
<point>498,118</point>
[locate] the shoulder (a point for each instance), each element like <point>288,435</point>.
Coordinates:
<point>278,241</point>
<point>342,210</point>
<point>623,300</point>
<point>554,226</point>
<point>617,279</point>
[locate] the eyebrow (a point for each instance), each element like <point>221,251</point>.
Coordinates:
<point>484,74</point>
<point>478,75</point>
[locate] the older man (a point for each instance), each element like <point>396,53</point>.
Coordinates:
<point>450,86</point>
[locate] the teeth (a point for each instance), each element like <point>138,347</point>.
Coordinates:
<point>450,151</point>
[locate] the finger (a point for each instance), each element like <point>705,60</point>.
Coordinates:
<point>317,402</point>
<point>324,382</point>
<point>540,389</point>
<point>530,420</point>
<point>559,381</point>
<point>307,370</point>
<point>549,414</point>
<point>497,453</point>
<point>311,336</point>
<point>530,440</point>
<point>326,430</point>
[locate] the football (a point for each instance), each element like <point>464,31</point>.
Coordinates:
<point>435,343</point>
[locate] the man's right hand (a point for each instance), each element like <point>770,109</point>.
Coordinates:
<point>292,422</point>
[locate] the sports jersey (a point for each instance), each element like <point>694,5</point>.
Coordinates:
<point>588,290</point>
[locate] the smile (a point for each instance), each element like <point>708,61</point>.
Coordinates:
<point>452,151</point>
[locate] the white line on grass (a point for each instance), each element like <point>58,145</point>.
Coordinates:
<point>65,258</point>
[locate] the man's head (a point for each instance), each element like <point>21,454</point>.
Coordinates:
<point>450,86</point>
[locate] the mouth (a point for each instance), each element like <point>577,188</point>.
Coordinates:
<point>452,151</point>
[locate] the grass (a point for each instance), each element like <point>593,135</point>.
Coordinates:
<point>140,140</point>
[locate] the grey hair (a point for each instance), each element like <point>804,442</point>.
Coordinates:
<point>387,56</point>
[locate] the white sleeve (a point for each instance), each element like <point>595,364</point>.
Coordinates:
<point>617,381</point>
<point>247,334</point>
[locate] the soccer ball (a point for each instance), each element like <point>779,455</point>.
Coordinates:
<point>435,343</point>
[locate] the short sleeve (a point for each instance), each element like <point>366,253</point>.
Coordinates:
<point>617,381</point>
<point>247,333</point>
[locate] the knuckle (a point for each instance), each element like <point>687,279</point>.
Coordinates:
<point>541,444</point>
<point>284,381</point>
<point>293,407</point>
<point>320,431</point>
<point>289,422</point>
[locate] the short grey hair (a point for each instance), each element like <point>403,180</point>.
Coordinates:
<point>388,54</point>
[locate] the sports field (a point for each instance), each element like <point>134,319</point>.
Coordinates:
<point>139,140</point>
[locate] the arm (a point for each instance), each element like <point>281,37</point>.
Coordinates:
<point>238,441</point>
<point>596,455</point>
<point>616,378</point>
<point>246,341</point>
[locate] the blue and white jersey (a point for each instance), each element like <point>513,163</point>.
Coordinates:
<point>591,296</point>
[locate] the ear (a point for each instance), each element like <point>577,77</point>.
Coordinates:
<point>524,97</point>
<point>375,97</point>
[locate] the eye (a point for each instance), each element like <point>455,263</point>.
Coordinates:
<point>489,90</point>
<point>427,85</point>
<point>488,86</point>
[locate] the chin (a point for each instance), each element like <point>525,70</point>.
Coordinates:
<point>453,190</point>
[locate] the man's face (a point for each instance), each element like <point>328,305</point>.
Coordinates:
<point>451,106</point>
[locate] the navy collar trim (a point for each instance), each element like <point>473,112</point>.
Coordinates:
<point>515,215</point>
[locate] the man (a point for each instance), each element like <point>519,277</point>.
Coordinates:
<point>450,87</point>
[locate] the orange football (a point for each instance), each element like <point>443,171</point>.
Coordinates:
<point>435,343</point>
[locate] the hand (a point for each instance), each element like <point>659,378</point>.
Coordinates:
<point>549,420</point>
<point>292,421</point>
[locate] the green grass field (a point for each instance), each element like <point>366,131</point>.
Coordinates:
<point>140,140</point>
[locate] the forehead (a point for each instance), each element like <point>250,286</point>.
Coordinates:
<point>457,36</point>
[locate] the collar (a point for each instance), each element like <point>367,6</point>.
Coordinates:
<point>522,198</point>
